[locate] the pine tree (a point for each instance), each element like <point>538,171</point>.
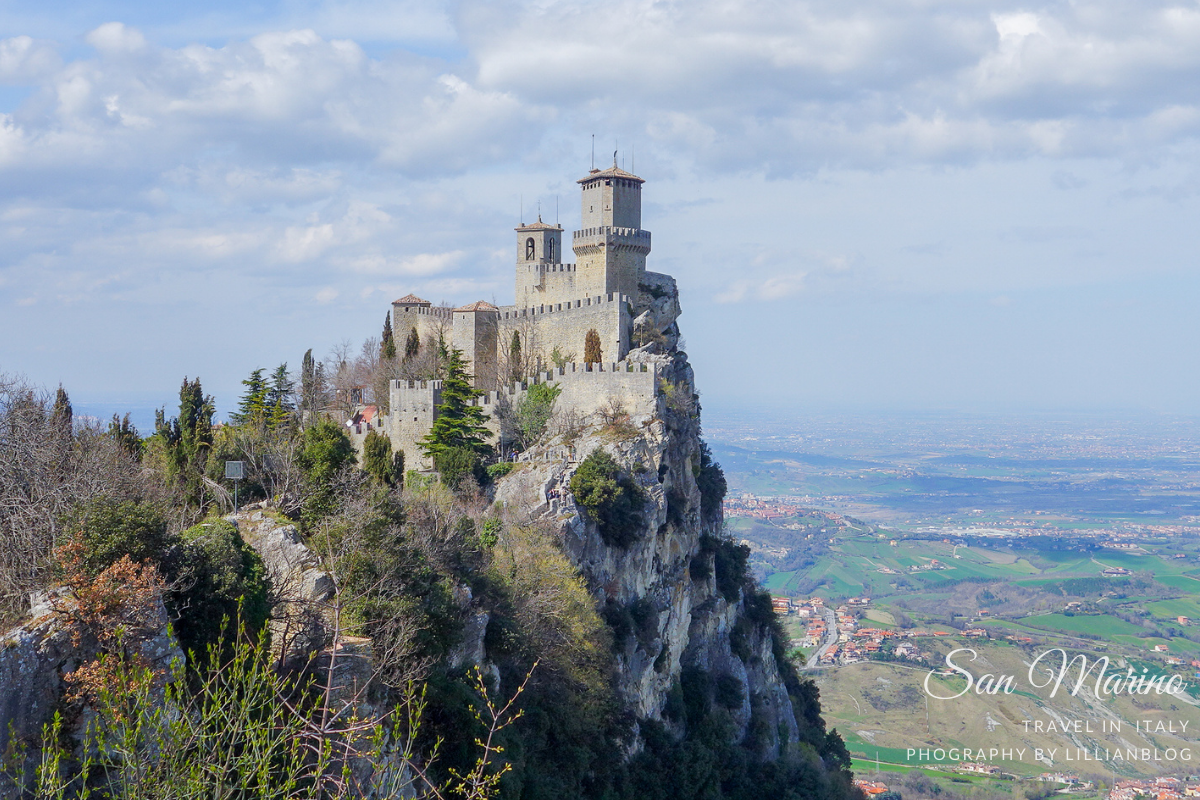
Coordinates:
<point>459,424</point>
<point>591,348</point>
<point>253,406</point>
<point>387,346</point>
<point>412,345</point>
<point>280,396</point>
<point>514,358</point>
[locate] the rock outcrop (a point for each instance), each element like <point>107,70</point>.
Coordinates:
<point>300,588</point>
<point>36,656</point>
<point>668,571</point>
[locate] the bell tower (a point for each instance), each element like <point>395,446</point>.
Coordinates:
<point>539,243</point>
<point>539,251</point>
<point>611,247</point>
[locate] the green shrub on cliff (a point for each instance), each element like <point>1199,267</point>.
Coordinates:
<point>610,497</point>
<point>220,579</point>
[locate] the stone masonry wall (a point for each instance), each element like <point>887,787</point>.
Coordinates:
<point>428,322</point>
<point>565,325</point>
<point>541,284</point>
<point>583,391</point>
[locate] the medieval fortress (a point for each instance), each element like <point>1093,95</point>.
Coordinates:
<point>607,290</point>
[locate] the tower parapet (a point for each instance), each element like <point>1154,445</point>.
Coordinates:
<point>610,247</point>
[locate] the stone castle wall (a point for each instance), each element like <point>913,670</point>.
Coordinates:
<point>428,320</point>
<point>539,284</point>
<point>565,325</point>
<point>613,258</point>
<point>584,389</point>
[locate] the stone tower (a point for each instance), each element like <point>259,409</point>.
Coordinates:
<point>475,333</point>
<point>539,254</point>
<point>611,247</point>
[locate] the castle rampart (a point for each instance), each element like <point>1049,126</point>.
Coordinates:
<point>584,389</point>
<point>565,325</point>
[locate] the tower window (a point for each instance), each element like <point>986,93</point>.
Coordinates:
<point>530,249</point>
<point>550,250</point>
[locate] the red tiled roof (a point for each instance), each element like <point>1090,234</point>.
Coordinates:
<point>478,305</point>
<point>611,172</point>
<point>411,300</point>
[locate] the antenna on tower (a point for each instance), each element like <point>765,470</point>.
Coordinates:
<point>522,209</point>
<point>539,210</point>
<point>593,151</point>
<point>556,210</point>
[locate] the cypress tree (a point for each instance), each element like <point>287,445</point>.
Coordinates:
<point>591,348</point>
<point>187,439</point>
<point>62,416</point>
<point>459,424</point>
<point>412,345</point>
<point>126,435</point>
<point>514,358</point>
<point>308,385</point>
<point>387,345</point>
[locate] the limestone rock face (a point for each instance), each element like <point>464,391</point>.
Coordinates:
<point>658,301</point>
<point>301,589</point>
<point>692,621</point>
<point>36,655</point>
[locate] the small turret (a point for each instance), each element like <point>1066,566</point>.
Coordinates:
<point>539,243</point>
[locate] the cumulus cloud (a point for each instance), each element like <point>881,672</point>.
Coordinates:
<point>797,86</point>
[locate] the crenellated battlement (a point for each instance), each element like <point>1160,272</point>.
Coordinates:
<point>559,311</point>
<point>584,388</point>
<point>597,373</point>
<point>612,230</point>
<point>511,313</point>
<point>438,312</point>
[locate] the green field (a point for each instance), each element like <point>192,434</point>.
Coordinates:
<point>1096,625</point>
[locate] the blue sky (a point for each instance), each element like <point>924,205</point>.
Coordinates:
<point>892,205</point>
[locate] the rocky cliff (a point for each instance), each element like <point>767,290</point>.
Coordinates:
<point>666,578</point>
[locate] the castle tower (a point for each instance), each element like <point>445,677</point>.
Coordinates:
<point>539,249</point>
<point>476,332</point>
<point>611,247</point>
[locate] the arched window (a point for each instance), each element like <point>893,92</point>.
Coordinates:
<point>550,250</point>
<point>530,249</point>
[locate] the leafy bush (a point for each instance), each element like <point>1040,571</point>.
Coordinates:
<point>500,469</point>
<point>533,413</point>
<point>730,564</point>
<point>456,463</point>
<point>109,529</point>
<point>739,639</point>
<point>377,459</point>
<point>611,498</point>
<point>223,580</point>
<point>710,479</point>
<point>727,692</point>
<point>326,450</point>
